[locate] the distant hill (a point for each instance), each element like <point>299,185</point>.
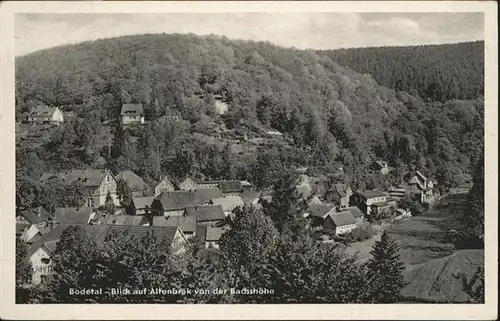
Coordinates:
<point>434,72</point>
<point>437,281</point>
<point>330,112</point>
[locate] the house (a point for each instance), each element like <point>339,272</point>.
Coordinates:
<point>99,183</point>
<point>420,186</point>
<point>213,235</point>
<point>339,223</point>
<point>187,224</point>
<point>317,213</point>
<point>140,205</point>
<point>36,222</point>
<point>304,188</point>
<point>397,192</point>
<point>207,214</point>
<point>164,185</point>
<point>73,215</point>
<point>48,177</point>
<point>20,228</point>
<point>132,114</point>
<point>367,201</point>
<point>380,167</point>
<point>44,114</point>
<point>135,182</point>
<point>174,203</point>
<point>188,184</point>
<point>228,203</point>
<point>231,188</point>
<point>127,220</point>
<point>341,194</point>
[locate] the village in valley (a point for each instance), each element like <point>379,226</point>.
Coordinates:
<point>182,210</point>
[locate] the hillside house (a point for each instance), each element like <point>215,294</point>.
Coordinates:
<point>398,192</point>
<point>44,114</point>
<point>188,184</point>
<point>132,114</point>
<point>207,184</point>
<point>380,167</point>
<point>400,214</point>
<point>174,203</point>
<point>99,184</point>
<point>228,203</point>
<point>213,236</point>
<point>164,185</point>
<point>339,223</point>
<point>207,214</point>
<point>135,182</point>
<point>73,215</point>
<point>370,200</point>
<point>187,224</point>
<point>315,200</point>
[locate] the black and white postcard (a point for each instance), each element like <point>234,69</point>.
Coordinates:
<point>276,160</point>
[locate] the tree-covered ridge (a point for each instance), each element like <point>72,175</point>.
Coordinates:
<point>435,72</point>
<point>328,113</point>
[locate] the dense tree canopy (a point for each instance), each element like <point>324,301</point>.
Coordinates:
<point>434,72</point>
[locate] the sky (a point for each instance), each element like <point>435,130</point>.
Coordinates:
<point>301,30</point>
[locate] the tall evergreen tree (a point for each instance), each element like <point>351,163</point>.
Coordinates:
<point>385,271</point>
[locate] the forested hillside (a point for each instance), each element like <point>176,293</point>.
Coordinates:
<point>328,113</point>
<point>433,72</point>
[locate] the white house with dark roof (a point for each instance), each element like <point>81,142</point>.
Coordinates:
<point>44,114</point>
<point>132,114</point>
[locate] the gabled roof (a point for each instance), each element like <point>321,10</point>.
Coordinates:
<point>142,201</point>
<point>228,203</point>
<point>42,111</point>
<point>72,215</point>
<point>215,233</point>
<point>230,186</point>
<point>179,200</point>
<point>342,218</point>
<point>320,210</point>
<point>206,213</point>
<point>135,182</point>
<point>35,215</point>
<point>186,223</point>
<point>123,220</point>
<point>246,184</point>
<point>87,177</point>
<point>355,211</point>
<point>53,236</point>
<point>372,194</point>
<point>421,176</point>
<point>132,110</point>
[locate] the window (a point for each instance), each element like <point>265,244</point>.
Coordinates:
<point>90,202</point>
<point>45,260</point>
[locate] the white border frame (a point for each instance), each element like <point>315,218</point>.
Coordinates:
<point>10,310</point>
